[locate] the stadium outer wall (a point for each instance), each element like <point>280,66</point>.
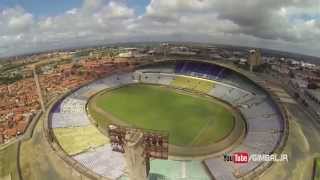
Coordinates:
<point>91,175</point>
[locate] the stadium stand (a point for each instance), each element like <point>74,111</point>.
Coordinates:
<point>76,135</point>
<point>75,140</point>
<point>99,161</point>
<point>165,79</point>
<point>62,120</point>
<point>202,70</point>
<point>231,94</point>
<point>70,105</point>
<point>192,83</point>
<point>216,73</point>
<point>220,169</point>
<point>126,78</point>
<point>163,68</point>
<point>241,82</point>
<point>151,78</point>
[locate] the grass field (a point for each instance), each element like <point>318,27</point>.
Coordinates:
<point>189,119</point>
<point>317,169</point>
<point>79,139</point>
<point>8,162</point>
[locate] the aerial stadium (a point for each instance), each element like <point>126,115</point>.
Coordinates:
<point>207,109</point>
<point>159,90</point>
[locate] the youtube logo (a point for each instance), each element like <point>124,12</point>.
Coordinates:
<point>240,157</point>
<point>237,157</point>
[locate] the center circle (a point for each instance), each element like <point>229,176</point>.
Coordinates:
<point>191,119</point>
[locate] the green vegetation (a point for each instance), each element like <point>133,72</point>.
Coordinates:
<point>11,66</point>
<point>8,162</point>
<point>38,161</point>
<point>79,139</point>
<point>192,83</point>
<point>317,169</point>
<point>189,119</point>
<point>10,79</point>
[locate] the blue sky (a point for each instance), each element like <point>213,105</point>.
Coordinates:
<point>44,8</point>
<point>138,5</point>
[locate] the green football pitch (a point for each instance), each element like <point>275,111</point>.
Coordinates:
<point>190,119</point>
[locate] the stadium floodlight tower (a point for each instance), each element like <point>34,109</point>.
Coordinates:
<point>138,146</point>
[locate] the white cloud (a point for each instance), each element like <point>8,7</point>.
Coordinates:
<point>118,10</point>
<point>273,23</point>
<point>15,21</point>
<point>95,21</point>
<point>72,11</point>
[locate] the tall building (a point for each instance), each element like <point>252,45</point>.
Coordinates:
<point>254,58</point>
